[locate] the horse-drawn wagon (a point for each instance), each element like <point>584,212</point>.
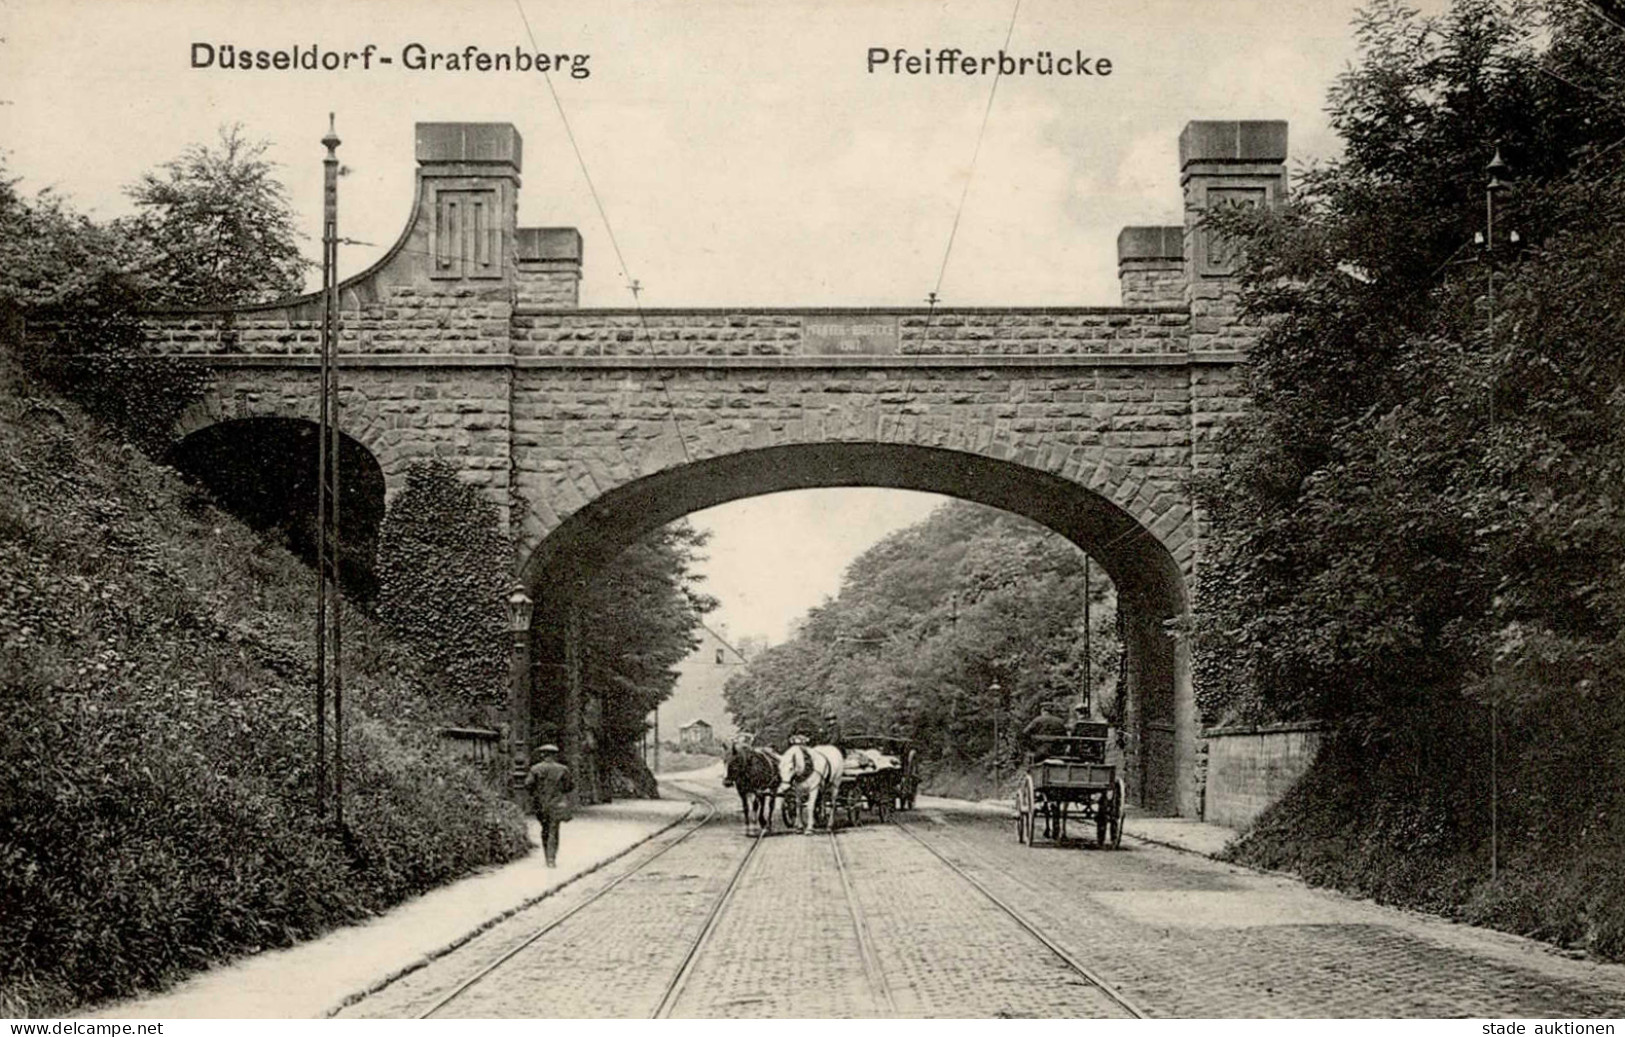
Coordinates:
<point>1068,779</point>
<point>877,777</point>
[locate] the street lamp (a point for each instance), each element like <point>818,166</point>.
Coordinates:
<point>520,610</point>
<point>995,689</point>
<point>1495,184</point>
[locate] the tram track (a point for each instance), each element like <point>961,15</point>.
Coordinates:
<point>488,970</point>
<point>872,969</point>
<point>493,968</point>
<point>1065,956</point>
<point>679,982</point>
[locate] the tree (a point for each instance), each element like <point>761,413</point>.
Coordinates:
<point>1417,532</point>
<point>217,226</point>
<point>638,621</point>
<point>70,290</point>
<point>925,622</point>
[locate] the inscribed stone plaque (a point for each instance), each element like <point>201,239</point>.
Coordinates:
<point>849,334</point>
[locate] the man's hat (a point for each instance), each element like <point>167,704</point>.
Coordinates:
<point>548,748</point>
<point>830,716</point>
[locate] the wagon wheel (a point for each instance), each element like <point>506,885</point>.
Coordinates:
<point>824,813</point>
<point>787,808</point>
<point>1025,804</point>
<point>1104,812</point>
<point>1117,814</point>
<point>1062,809</point>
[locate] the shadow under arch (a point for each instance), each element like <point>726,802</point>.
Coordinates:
<point>1160,720</point>
<point>263,470</point>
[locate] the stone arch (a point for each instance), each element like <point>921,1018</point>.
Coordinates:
<point>1140,480</point>
<point>290,394</point>
<point>263,470</point>
<point>1137,548</point>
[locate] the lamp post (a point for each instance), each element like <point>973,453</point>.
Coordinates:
<point>520,610</point>
<point>996,690</point>
<point>1493,186</point>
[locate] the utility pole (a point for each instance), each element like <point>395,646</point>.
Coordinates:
<point>1088,647</point>
<point>327,498</point>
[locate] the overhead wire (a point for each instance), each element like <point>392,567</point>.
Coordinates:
<point>632,284</point>
<point>970,174</point>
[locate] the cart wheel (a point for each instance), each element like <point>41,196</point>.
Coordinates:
<point>787,808</point>
<point>1103,818</point>
<point>824,814</point>
<point>1117,814</point>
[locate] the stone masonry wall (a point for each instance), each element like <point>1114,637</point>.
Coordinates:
<point>1250,768</point>
<point>982,332</point>
<point>579,432</point>
<point>408,319</point>
<point>1147,284</point>
<point>459,415</point>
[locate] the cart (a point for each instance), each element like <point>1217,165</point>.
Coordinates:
<point>875,777</point>
<point>1068,779</point>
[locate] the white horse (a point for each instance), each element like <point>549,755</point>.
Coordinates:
<point>811,769</point>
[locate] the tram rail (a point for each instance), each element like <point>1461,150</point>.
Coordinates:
<point>484,973</point>
<point>1089,975</point>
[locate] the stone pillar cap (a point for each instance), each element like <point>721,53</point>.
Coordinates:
<point>1166,243</point>
<point>548,243</point>
<point>1255,142</point>
<point>483,142</point>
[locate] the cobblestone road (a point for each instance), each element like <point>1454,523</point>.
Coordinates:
<point>1180,935</point>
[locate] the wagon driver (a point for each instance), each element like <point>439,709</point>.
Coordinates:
<point>830,733</point>
<point>1045,725</point>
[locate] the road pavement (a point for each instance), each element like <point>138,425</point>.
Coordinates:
<point>875,923</point>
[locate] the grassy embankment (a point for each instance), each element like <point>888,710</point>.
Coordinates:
<point>156,770</point>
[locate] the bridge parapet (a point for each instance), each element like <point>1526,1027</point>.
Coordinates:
<point>870,333</point>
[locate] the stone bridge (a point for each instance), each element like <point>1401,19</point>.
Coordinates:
<point>591,427</point>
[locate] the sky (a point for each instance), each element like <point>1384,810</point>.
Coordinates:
<point>741,153</point>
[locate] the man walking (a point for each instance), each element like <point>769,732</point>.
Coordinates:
<point>550,784</point>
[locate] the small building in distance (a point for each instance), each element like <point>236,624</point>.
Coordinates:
<point>696,734</point>
<point>700,678</point>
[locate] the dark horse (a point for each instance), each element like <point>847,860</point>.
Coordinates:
<point>755,774</point>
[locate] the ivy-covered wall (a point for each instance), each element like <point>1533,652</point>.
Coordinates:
<point>443,569</point>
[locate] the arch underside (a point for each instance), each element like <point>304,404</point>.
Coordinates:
<point>263,470</point>
<point>1160,719</point>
